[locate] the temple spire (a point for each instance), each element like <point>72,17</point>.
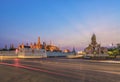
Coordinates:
<point>93,39</point>
<point>38,43</point>
<point>74,51</point>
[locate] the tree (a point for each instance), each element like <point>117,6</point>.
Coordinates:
<point>114,51</point>
<point>118,47</point>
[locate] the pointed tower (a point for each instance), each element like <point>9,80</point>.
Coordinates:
<point>44,45</point>
<point>12,46</point>
<point>38,43</point>
<point>22,45</point>
<point>74,51</point>
<point>31,45</point>
<point>93,39</point>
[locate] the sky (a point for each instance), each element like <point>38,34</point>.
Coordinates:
<point>64,23</point>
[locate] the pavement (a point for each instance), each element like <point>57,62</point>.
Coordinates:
<point>59,70</point>
<point>109,61</point>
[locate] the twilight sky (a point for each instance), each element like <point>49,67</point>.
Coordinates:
<point>66,23</point>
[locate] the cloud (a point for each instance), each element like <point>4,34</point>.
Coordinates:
<point>79,34</point>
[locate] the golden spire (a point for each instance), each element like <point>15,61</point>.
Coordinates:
<point>38,43</point>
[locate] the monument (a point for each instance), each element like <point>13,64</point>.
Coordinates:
<point>37,45</point>
<point>94,48</point>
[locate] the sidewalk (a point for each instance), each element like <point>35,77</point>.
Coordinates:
<point>109,61</point>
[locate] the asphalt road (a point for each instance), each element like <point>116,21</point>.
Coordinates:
<point>58,70</point>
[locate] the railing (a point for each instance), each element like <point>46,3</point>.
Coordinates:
<point>8,53</point>
<point>58,54</point>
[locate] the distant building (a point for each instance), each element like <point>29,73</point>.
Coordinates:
<point>66,51</point>
<point>38,45</point>
<point>12,48</point>
<point>95,48</point>
<point>52,48</point>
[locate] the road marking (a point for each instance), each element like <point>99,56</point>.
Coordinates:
<point>41,70</point>
<point>112,72</point>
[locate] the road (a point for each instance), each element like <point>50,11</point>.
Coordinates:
<point>58,70</point>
